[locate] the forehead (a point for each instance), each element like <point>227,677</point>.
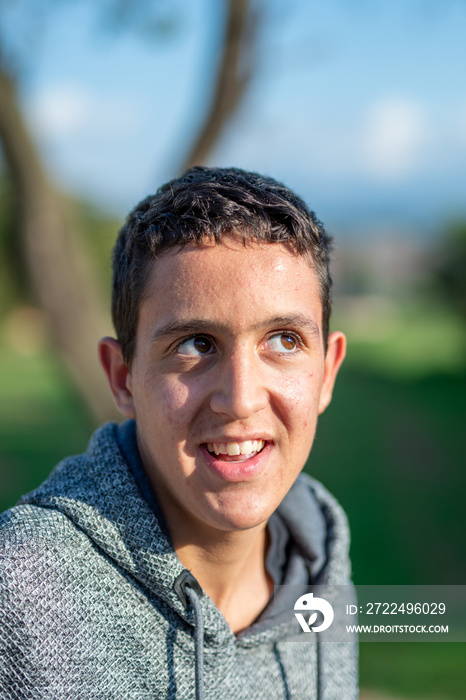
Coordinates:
<point>262,260</point>
<point>232,281</point>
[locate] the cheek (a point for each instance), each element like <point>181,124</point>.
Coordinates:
<point>298,397</point>
<point>177,403</point>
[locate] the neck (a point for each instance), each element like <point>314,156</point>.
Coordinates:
<point>230,567</point>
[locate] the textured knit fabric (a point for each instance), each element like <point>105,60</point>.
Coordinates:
<point>89,609</point>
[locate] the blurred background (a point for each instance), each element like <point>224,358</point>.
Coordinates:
<point>361,108</point>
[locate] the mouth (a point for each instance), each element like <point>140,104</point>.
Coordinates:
<point>237,461</point>
<point>235,451</point>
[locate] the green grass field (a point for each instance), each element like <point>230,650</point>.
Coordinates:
<point>41,421</point>
<point>391,448</point>
<point>393,452</point>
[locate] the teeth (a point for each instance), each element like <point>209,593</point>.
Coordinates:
<point>246,447</point>
<point>236,448</point>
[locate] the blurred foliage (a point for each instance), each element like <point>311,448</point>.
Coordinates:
<point>41,420</point>
<point>402,340</point>
<point>148,18</point>
<point>392,451</point>
<point>431,671</point>
<point>98,229</point>
<point>450,268</point>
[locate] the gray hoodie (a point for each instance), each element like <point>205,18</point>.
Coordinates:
<point>94,602</point>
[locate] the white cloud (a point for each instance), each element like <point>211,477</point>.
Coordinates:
<point>394,134</point>
<point>69,110</point>
<point>61,110</point>
<point>92,142</point>
<point>388,139</point>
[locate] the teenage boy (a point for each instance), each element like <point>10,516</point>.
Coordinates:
<point>146,567</point>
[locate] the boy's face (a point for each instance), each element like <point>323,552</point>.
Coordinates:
<point>229,358</point>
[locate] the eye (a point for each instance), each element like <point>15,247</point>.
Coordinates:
<point>195,346</point>
<point>283,342</point>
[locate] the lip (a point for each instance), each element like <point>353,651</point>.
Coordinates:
<point>237,471</point>
<point>235,438</point>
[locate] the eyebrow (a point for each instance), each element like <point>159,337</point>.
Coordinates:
<point>194,326</point>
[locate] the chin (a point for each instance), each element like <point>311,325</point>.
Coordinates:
<point>244,514</point>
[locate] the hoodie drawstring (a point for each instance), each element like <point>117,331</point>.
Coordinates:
<point>198,641</point>
<point>189,591</point>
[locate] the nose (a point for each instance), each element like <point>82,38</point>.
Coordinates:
<point>240,387</point>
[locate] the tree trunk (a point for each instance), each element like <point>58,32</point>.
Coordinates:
<point>61,277</point>
<point>234,73</point>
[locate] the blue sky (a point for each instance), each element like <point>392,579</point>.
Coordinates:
<point>360,106</point>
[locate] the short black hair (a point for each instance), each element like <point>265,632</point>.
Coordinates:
<point>206,204</point>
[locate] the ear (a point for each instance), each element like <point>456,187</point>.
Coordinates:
<point>336,351</point>
<point>118,375</point>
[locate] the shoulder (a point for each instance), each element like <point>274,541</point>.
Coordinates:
<point>36,544</point>
<point>27,524</point>
<point>46,565</point>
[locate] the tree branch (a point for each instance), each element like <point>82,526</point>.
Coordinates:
<point>234,74</point>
